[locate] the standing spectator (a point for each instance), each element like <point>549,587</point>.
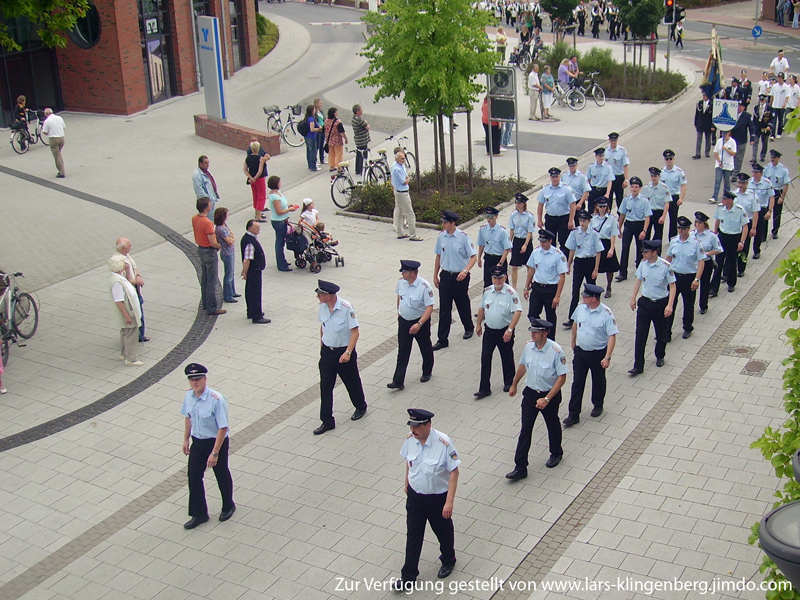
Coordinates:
<point>534,93</point>
<point>794,91</point>
<point>704,125</point>
<point>21,117</point>
<point>207,247</point>
<point>227,254</point>
<point>506,129</point>
<point>253,264</point>
<point>403,210</point>
<point>564,75</point>
<point>311,138</point>
<point>492,132</point>
<point>724,151</point>
<point>204,184</point>
<point>255,169</point>
<point>53,127</point>
<point>548,91</point>
<point>279,217</point>
<point>3,390</point>
<point>128,312</point>
<point>335,138</point>
<point>501,41</point>
<point>360,137</point>
<point>779,14</point>
<point>319,116</point>
<point>205,442</point>
<point>741,133</point>
<point>135,278</point>
<point>796,17</point>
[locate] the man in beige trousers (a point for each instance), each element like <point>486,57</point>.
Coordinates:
<point>53,127</point>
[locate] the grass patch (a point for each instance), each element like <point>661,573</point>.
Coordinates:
<point>429,203</point>
<point>267,33</point>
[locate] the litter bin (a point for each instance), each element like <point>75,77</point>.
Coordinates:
<point>779,534</point>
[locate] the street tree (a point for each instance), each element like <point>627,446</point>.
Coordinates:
<point>642,16</point>
<point>561,10</point>
<point>53,18</point>
<point>431,54</point>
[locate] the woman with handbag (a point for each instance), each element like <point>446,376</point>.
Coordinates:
<point>335,139</point>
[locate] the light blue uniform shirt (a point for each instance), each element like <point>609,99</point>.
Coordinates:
<point>600,175</point>
<point>336,325</point>
<point>594,326</point>
<point>399,177</point>
<point>708,242</point>
<point>522,223</point>
<point>499,307</point>
<point>673,178</point>
<point>655,278</point>
<point>658,195</point>
<point>762,190</point>
<point>429,465</point>
<point>685,255</point>
<point>585,245</point>
<point>494,240</point>
<point>549,265</point>
<point>605,226</point>
<point>208,413</point>
<point>778,175</point>
<point>556,200</point>
<point>731,221</point>
<point>414,298</point>
<point>543,366</point>
<point>618,159</point>
<point>636,209</point>
<point>577,183</point>
<point>454,250</point>
<point>748,202</point>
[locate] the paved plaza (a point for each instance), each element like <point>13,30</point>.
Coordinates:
<point>662,487</point>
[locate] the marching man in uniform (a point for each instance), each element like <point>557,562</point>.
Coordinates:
<point>493,239</point>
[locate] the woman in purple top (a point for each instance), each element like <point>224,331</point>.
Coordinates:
<point>227,253</point>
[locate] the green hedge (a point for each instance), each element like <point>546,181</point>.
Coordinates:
<point>267,33</point>
<point>429,203</point>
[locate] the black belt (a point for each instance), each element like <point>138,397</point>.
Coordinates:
<point>452,272</point>
<point>546,285</point>
<point>599,188</point>
<point>336,349</point>
<point>664,299</point>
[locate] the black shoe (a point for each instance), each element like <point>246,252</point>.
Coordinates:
<point>553,461</point>
<point>731,288</point>
<point>479,395</point>
<point>261,321</point>
<point>425,378</point>
<point>445,571</point>
<point>724,278</point>
<point>439,345</point>
<point>570,421</point>
<point>740,274</point>
<point>399,586</point>
<point>144,339</point>
<point>60,176</point>
<point>227,514</point>
<point>237,295</point>
<point>506,388</point>
<point>393,385</point>
<point>469,334</point>
<point>323,428</point>
<point>359,412</point>
<point>596,412</point>
<point>708,155</point>
<point>659,362</point>
<point>194,522</point>
<point>286,270</point>
<point>620,278</point>
<point>687,335</point>
<point>756,255</point>
<point>567,324</point>
<point>703,311</point>
<point>516,475</point>
<point>634,372</point>
<point>712,294</point>
<point>696,157</point>
<point>775,236</point>
<point>231,301</point>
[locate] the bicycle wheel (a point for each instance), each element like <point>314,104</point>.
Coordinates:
<point>26,316</point>
<point>576,100</point>
<point>4,350</point>
<point>273,124</point>
<point>19,142</point>
<point>411,164</point>
<point>375,175</point>
<point>599,95</point>
<point>42,136</point>
<point>523,61</point>
<point>291,136</point>
<point>342,191</point>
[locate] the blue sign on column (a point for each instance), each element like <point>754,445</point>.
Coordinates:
<point>757,31</point>
<point>210,51</point>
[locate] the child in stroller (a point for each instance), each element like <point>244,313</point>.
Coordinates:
<point>311,244</point>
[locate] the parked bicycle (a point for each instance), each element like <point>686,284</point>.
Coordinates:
<point>342,186</point>
<point>19,314</point>
<point>573,97</point>
<point>411,160</point>
<point>288,131</point>
<point>22,139</point>
<point>379,170</point>
<point>593,89</point>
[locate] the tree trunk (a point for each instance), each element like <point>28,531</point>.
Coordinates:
<point>442,149</point>
<point>452,153</point>
<point>436,169</point>
<point>416,154</point>
<point>469,149</point>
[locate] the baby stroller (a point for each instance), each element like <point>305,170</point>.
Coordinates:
<point>310,249</point>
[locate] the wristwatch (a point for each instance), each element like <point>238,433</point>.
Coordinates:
<point>215,454</point>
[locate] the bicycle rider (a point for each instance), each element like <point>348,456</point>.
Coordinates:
<point>21,118</point>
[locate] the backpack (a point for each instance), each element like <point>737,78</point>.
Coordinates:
<point>302,128</point>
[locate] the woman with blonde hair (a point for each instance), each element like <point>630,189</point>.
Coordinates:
<point>502,41</point>
<point>255,168</point>
<point>127,310</point>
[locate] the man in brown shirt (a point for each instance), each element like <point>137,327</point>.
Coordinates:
<point>207,248</point>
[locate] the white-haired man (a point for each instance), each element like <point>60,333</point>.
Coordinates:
<point>127,313</point>
<point>135,278</point>
<point>53,127</point>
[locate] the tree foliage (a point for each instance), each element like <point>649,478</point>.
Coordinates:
<point>430,53</point>
<point>642,16</point>
<point>53,17</point>
<point>561,9</point>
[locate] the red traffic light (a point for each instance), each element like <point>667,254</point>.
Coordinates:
<point>669,3</point>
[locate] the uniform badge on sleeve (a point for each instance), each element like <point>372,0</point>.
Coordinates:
<point>454,455</point>
<point>430,293</point>
<point>515,300</point>
<point>352,314</point>
<point>563,360</point>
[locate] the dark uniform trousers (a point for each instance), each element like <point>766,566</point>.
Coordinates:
<point>199,452</point>
<point>761,230</point>
<point>683,288</point>
<point>529,414</point>
<point>404,342</point>
<point>584,361</point>
<point>594,194</point>
<point>421,509</point>
<point>656,229</point>
<point>741,258</point>
<point>141,306</point>
<point>650,311</point>
<point>493,338</point>
<point>451,290</point>
<point>329,368</point>
<point>705,283</point>
<point>631,231</point>
<point>252,294</point>
<point>560,226</point>
<point>673,217</point>
<point>776,213</point>
<point>490,261</point>
<point>582,269</point>
<point>616,190</point>
<point>542,296</point>
<point>726,260</point>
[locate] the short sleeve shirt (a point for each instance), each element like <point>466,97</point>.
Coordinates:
<point>709,242</point>
<point>636,209</point>
<point>494,240</point>
<point>336,324</point>
<point>543,366</point>
<point>454,250</point>
<point>762,190</point>
<point>202,228</point>
<point>600,175</point>
<point>655,278</point>
<point>577,183</point>
<point>657,194</point>
<point>522,223</point>
<point>499,307</point>
<point>430,464</point>
<point>605,226</point>
<point>686,255</point>
<point>594,326</point>
<point>414,298</point>
<point>208,413</point>
<point>673,178</point>
<point>557,200</point>
<point>618,159</point>
<point>549,265</point>
<point>748,202</point>
<point>731,221</point>
<point>585,245</point>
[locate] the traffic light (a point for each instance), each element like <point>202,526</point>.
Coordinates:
<point>669,12</point>
<point>680,14</point>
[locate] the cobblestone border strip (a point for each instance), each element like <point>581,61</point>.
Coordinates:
<point>544,555</point>
<point>198,332</point>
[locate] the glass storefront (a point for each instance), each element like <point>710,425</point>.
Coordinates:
<point>154,27</point>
